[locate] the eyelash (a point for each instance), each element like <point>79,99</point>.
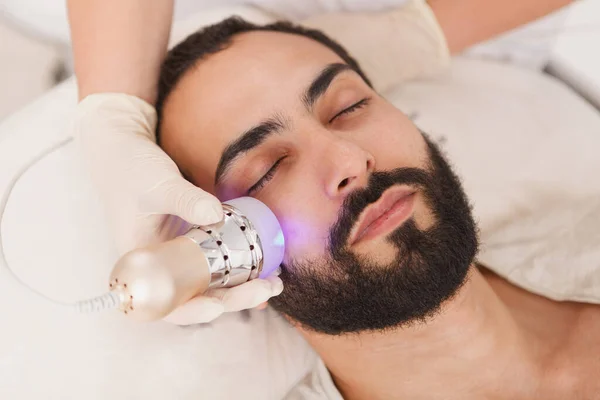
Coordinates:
<point>352,108</point>
<point>271,172</point>
<point>266,177</point>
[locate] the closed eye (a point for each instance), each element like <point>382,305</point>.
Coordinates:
<point>265,178</point>
<point>352,108</point>
<point>271,173</point>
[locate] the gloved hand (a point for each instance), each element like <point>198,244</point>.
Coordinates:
<point>146,198</point>
<point>215,302</point>
<point>391,46</point>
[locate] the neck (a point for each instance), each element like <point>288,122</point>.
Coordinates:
<point>473,347</point>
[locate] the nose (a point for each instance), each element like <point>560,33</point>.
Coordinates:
<point>348,167</point>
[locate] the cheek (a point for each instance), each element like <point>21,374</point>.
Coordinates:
<point>304,213</point>
<point>393,140</point>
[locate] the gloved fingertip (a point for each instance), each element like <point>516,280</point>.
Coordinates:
<point>196,311</point>
<point>208,213</point>
<point>217,213</point>
<point>276,285</point>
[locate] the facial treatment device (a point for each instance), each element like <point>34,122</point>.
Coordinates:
<point>248,243</point>
<point>148,283</point>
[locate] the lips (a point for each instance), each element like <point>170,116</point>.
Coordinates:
<point>392,209</point>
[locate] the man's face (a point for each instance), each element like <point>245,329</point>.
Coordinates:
<point>280,117</point>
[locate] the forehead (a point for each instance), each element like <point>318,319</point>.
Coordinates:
<point>257,75</point>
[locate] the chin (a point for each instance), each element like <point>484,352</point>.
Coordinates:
<point>378,250</point>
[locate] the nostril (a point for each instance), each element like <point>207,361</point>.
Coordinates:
<point>370,165</point>
<point>343,183</point>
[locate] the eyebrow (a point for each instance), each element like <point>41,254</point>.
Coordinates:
<point>256,135</point>
<point>322,82</point>
<point>250,139</point>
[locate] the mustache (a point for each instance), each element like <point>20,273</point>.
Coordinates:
<point>356,202</point>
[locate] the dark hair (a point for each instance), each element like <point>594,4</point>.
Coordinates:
<point>217,37</point>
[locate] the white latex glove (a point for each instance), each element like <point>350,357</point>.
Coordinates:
<point>146,198</point>
<point>215,302</point>
<point>391,46</point>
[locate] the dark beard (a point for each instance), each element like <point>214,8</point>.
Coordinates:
<point>343,293</point>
